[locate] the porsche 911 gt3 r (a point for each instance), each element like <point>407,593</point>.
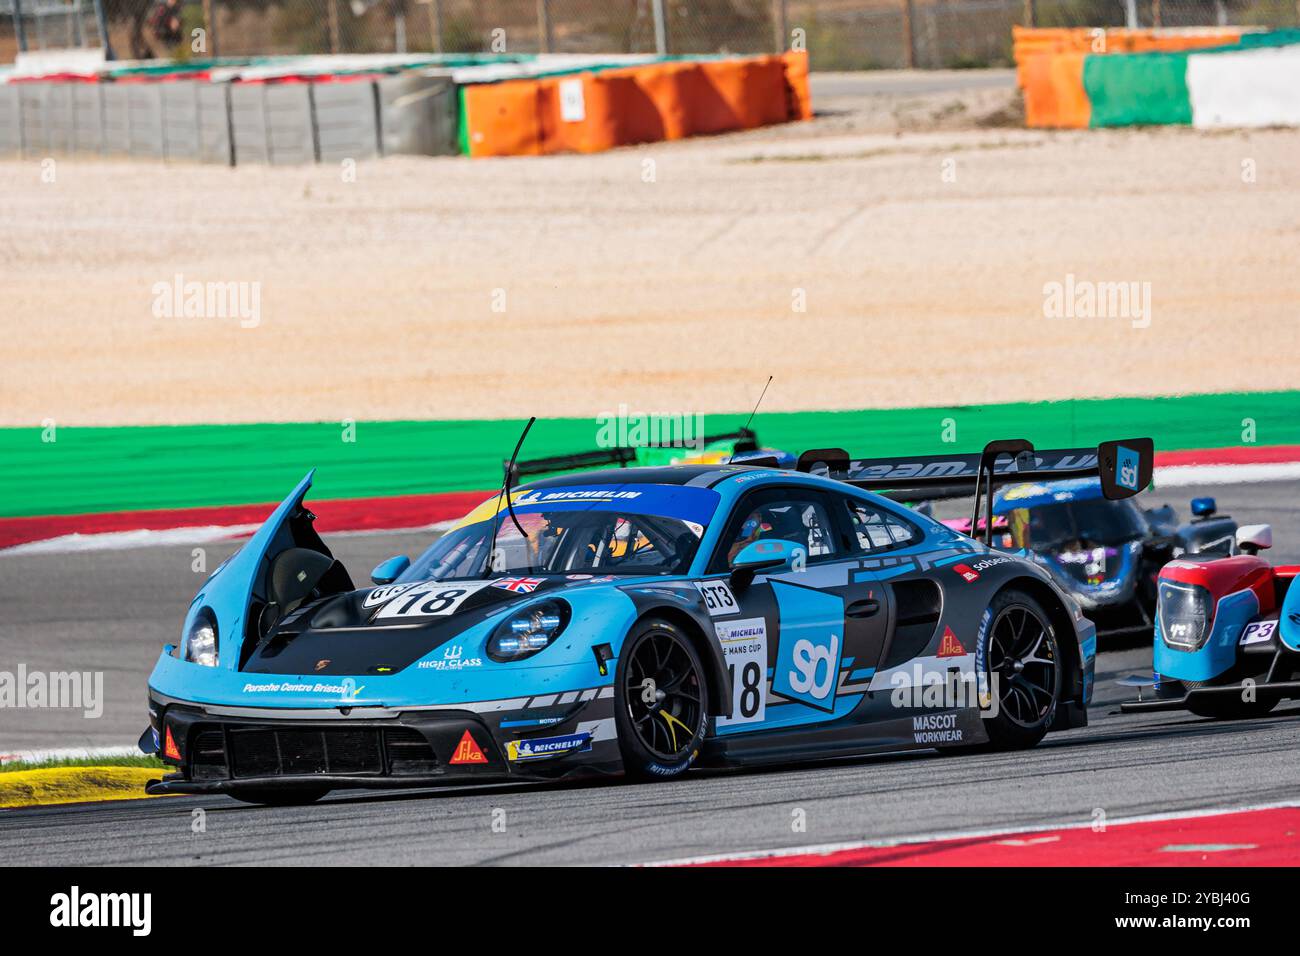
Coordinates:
<point>636,621</point>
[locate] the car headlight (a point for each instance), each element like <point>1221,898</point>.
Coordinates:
<point>200,644</point>
<point>528,631</point>
<point>1186,614</point>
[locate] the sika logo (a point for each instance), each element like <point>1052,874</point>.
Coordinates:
<point>467,751</point>
<point>950,646</point>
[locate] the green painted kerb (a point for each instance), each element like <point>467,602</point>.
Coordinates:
<point>1136,89</point>
<point>1142,89</point>
<point>87,470</point>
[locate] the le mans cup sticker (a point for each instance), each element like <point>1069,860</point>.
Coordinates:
<point>744,648</point>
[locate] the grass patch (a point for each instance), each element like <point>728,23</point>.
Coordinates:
<point>141,760</point>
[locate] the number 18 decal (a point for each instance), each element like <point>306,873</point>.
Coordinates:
<point>718,598</point>
<point>432,600</point>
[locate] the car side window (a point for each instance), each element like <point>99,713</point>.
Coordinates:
<point>878,530</point>
<point>790,515</point>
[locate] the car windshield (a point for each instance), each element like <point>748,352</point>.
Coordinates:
<point>1075,524</point>
<point>651,530</point>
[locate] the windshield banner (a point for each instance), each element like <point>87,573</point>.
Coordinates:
<point>684,502</point>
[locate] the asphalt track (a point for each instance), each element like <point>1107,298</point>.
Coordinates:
<point>112,610</point>
<point>830,87</point>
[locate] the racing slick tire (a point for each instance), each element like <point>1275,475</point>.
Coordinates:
<point>1226,708</point>
<point>661,702</point>
<point>1020,654</point>
<point>279,796</point>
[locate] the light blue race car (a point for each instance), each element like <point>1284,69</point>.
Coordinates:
<point>637,621</point>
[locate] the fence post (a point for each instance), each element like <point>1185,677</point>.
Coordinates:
<point>332,9</point>
<point>19,32</point>
<point>661,27</point>
<point>101,22</point>
<point>435,23</point>
<point>210,24</point>
<point>1031,12</point>
<point>909,36</point>
<point>1157,17</point>
<point>544,26</point>
<point>780,25</point>
<point>1131,14</point>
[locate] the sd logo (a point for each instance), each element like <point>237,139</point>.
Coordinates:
<point>811,639</point>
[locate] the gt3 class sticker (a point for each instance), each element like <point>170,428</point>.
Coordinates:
<point>382,594</point>
<point>431,599</point>
<point>718,598</point>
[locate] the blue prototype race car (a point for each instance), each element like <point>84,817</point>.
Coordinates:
<point>637,621</point>
<point>1105,553</point>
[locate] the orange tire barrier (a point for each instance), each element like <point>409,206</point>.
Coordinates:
<point>798,93</point>
<point>505,120</point>
<point>1054,93</point>
<point>596,111</point>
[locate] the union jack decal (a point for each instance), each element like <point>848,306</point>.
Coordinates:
<point>518,585</point>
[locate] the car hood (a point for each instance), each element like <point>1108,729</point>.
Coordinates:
<point>385,629</point>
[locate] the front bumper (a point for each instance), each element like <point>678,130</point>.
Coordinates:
<point>223,750</point>
<point>1264,693</point>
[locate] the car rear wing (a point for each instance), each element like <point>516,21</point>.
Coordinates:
<point>622,455</point>
<point>1124,468</point>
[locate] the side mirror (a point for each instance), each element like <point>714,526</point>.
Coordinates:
<point>1254,538</point>
<point>386,572</point>
<point>772,555</point>
<point>1204,507</point>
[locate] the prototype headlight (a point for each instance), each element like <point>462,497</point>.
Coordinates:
<point>200,645</point>
<point>528,631</point>
<point>1186,611</point>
